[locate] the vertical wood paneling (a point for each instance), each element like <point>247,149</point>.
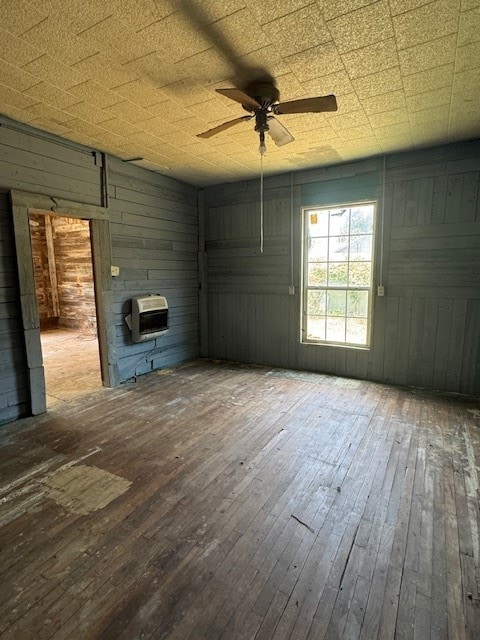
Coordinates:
<point>424,329</point>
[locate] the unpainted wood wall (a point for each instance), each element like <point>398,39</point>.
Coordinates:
<point>154,231</point>
<point>72,264</point>
<point>426,330</point>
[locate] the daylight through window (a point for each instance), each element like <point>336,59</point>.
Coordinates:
<point>338,274</point>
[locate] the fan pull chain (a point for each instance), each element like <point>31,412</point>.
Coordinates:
<point>261,203</point>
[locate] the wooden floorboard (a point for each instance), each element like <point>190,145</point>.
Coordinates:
<point>245,503</point>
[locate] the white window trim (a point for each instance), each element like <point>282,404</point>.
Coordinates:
<point>304,288</point>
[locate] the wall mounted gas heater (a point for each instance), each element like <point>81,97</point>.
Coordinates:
<point>149,317</point>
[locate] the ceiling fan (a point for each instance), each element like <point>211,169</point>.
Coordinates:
<point>261,100</point>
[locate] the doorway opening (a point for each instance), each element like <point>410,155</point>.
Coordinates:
<point>65,292</point>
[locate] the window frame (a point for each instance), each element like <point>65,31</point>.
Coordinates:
<point>305,211</point>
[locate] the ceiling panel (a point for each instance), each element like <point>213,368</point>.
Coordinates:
<point>137,78</point>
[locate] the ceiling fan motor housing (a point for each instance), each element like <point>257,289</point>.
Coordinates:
<point>265,93</point>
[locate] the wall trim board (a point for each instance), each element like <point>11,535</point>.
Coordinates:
<point>22,204</point>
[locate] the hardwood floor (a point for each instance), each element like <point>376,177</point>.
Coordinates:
<point>219,501</point>
<point>72,364</point>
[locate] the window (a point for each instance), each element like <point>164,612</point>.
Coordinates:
<point>338,274</point>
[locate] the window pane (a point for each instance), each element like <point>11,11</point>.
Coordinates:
<point>336,303</point>
<point>316,303</point>
<point>317,274</point>
<point>357,330</point>
<point>339,221</point>
<point>360,274</point>
<point>317,223</point>
<point>357,304</point>
<point>360,248</point>
<point>316,327</point>
<point>335,329</point>
<point>318,250</point>
<point>338,274</point>
<point>338,248</point>
<point>361,219</point>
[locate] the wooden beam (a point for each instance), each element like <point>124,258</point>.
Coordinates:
<point>52,268</point>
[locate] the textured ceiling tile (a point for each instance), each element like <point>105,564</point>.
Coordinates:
<point>17,78</point>
<point>117,40</point>
<point>60,43</point>
<point>469,27</point>
<point>397,130</point>
<point>120,127</point>
<point>468,57</point>
<point>180,139</point>
<point>51,127</point>
<point>174,38</point>
<point>434,114</point>
<point>466,80</point>
<point>16,50</point>
<point>385,102</point>
<point>15,98</point>
<point>378,83</point>
<point>470,4</point>
<point>170,110</point>
<point>46,111</point>
<point>428,22</point>
<point>187,93</point>
<point>46,92</point>
<point>362,27</point>
<point>429,99</point>
<point>87,128</point>
<point>129,111</point>
<point>88,112</point>
<point>157,126</point>
<point>356,133</point>
<point>19,15</point>
<point>207,67</point>
<point>105,71</point>
<point>402,6</point>
<point>269,10</point>
<point>243,31</point>
<point>144,139</point>
<point>83,15</point>
<point>316,62</point>
<point>428,55</point>
<point>58,74</point>
<point>97,94</point>
<point>388,118</point>
<point>346,120</point>
<point>428,80</point>
<point>338,83</point>
<point>140,13</point>
<point>367,60</point>
<point>296,31</point>
<point>16,114</point>
<point>141,93</point>
<point>268,58</point>
<point>334,9</point>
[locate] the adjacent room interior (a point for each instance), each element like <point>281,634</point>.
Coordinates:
<point>64,288</point>
<point>240,320</point>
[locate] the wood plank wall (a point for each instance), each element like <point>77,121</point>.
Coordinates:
<point>154,236</point>
<point>426,330</point>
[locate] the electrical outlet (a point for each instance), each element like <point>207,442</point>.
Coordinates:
<point>291,290</point>
<point>115,271</point>
<point>380,290</point>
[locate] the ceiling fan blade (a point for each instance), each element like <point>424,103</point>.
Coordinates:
<point>222,127</point>
<point>239,96</point>
<point>308,105</point>
<point>278,132</point>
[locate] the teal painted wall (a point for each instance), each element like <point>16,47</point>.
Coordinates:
<point>426,330</point>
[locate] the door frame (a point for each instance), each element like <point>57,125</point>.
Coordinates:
<point>23,203</point>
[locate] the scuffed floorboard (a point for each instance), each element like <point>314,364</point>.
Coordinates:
<point>219,501</point>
